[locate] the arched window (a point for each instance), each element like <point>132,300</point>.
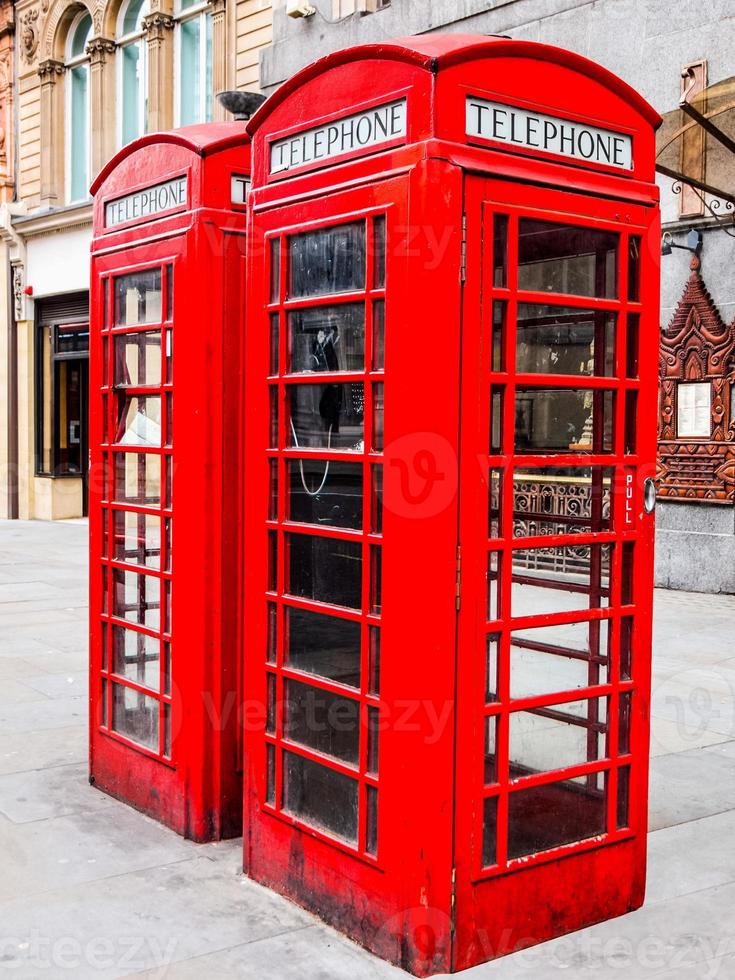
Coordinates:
<point>193,62</point>
<point>132,71</point>
<point>77,108</point>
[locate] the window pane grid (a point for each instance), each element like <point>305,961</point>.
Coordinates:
<point>325,504</point>
<point>137,524</point>
<point>586,470</point>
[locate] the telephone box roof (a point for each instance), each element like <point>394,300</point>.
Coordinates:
<point>201,138</point>
<point>434,52</point>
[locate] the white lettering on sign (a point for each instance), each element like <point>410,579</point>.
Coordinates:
<point>629,488</point>
<point>239,188</point>
<point>146,203</point>
<point>534,130</point>
<point>362,131</point>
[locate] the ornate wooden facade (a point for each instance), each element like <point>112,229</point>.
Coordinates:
<point>697,346</point>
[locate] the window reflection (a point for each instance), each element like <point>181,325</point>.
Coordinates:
<point>563,419</point>
<point>139,422</point>
<point>138,298</point>
<point>328,260</point>
<point>325,569</point>
<point>564,340</point>
<point>320,796</point>
<point>327,416</point>
<point>560,258</point>
<point>553,815</point>
<point>323,721</point>
<point>138,359</point>
<point>544,739</point>
<point>561,578</point>
<point>325,492</point>
<point>327,338</point>
<point>324,645</point>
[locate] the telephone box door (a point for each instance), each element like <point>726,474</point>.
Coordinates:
<point>557,438</point>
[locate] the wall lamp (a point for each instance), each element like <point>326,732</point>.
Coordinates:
<point>694,243</point>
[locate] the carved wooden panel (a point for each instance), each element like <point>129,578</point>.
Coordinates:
<point>697,346</point>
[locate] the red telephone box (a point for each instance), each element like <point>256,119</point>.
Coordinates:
<point>167,304</point>
<point>451,370</point>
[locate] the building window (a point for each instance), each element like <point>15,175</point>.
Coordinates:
<point>193,62</point>
<point>132,75</point>
<point>62,352</point>
<point>694,410</point>
<point>77,109</point>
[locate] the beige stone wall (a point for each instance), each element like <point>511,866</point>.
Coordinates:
<point>240,29</point>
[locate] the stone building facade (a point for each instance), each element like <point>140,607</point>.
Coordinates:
<point>660,47</point>
<point>90,75</point>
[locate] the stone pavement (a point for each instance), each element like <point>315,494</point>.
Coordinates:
<point>90,888</point>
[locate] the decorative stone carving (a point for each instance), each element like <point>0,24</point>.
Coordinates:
<point>18,286</point>
<point>98,48</point>
<point>29,34</point>
<point>49,70</point>
<point>156,24</point>
<point>697,346</point>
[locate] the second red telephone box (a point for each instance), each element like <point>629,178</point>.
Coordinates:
<point>451,365</point>
<point>168,300</point>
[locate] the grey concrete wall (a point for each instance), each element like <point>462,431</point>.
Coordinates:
<point>695,547</point>
<point>646,42</point>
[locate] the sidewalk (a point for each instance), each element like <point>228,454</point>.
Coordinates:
<point>90,888</point>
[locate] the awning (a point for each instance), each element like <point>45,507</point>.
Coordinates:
<point>705,123</point>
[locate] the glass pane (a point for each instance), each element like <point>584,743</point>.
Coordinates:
<point>694,410</point>
<point>374,664</point>
<point>564,340</point>
<point>376,518</point>
<point>496,419</point>
<point>323,721</point>
<point>323,645</point>
<point>563,419</point>
<point>631,350</point>
<point>79,134</point>
<point>320,796</point>
<point>544,739</point>
<point>329,260</point>
<point>562,578</point>
<point>133,17</point>
<point>541,663</point>
<point>493,648</point>
<point>275,259</point>
<point>378,417</point>
<point>490,831</point>
<point>623,807</point>
<point>325,569</point>
<point>634,268</point>
<point>491,741</point>
<point>132,83</point>
<point>626,648</point>
<point>625,701</point>
<point>376,579</point>
<point>135,716</point>
<point>559,258</point>
<point>139,421</point>
<point>493,584</point>
<point>495,503</point>
<point>371,830</point>
<point>270,786</point>
<point>137,657</point>
<point>497,357</point>
<point>138,478</point>
<point>549,816</point>
<point>138,298</point>
<point>328,493</point>
<point>189,71</point>
<point>378,335</point>
<point>81,35</point>
<point>138,359</point>
<point>136,598</point>
<point>327,338</point>
<point>137,538</point>
<point>500,250</point>
<point>72,338</point>
<point>379,252</point>
<point>327,416</point>
<point>275,322</point>
<point>561,500</point>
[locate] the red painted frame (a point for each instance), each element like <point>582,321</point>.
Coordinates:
<point>191,777</point>
<point>423,900</point>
